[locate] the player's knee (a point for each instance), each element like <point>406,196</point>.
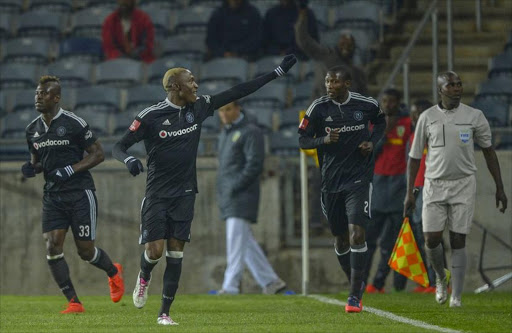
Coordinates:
<point>357,237</point>
<point>342,244</point>
<point>432,241</point>
<point>53,247</point>
<point>457,241</point>
<point>154,252</point>
<point>86,254</point>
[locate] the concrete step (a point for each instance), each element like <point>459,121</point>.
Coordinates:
<point>463,25</point>
<point>458,38</point>
<point>482,52</point>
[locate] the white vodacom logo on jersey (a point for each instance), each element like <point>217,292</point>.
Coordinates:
<point>163,134</point>
<point>346,128</point>
<point>49,143</point>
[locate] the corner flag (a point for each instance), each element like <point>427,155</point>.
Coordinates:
<point>406,258</point>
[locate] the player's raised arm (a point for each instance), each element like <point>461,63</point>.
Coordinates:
<point>120,150</point>
<point>247,88</point>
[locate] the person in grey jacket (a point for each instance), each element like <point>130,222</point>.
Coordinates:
<point>241,155</point>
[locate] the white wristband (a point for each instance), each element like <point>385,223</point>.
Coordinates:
<point>69,170</point>
<point>279,71</point>
<point>129,159</point>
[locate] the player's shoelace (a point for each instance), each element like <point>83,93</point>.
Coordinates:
<point>143,285</point>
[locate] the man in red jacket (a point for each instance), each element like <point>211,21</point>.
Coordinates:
<point>128,32</point>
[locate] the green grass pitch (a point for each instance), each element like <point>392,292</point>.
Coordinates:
<point>488,312</point>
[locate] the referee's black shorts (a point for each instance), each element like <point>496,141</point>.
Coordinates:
<point>350,206</point>
<point>163,218</point>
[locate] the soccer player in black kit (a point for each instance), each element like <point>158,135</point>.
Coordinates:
<point>57,140</point>
<point>337,125</point>
<point>171,131</point>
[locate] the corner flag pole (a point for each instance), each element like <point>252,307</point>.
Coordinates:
<point>304,220</point>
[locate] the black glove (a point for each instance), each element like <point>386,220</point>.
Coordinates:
<point>61,174</point>
<point>301,4</point>
<point>28,170</point>
<point>134,165</point>
<point>287,63</point>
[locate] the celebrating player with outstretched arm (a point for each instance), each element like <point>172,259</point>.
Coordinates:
<point>337,124</point>
<point>57,140</point>
<point>171,131</point>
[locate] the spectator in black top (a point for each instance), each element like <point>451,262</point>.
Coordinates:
<point>234,30</point>
<point>278,31</point>
<point>57,140</point>
<point>171,131</point>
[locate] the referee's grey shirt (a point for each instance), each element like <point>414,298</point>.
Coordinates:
<point>450,136</point>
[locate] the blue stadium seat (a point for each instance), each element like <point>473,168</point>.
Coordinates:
<point>160,17</point>
<point>6,22</point>
<point>211,124</point>
<point>269,63</point>
<point>157,69</point>
<point>11,6</point>
<point>4,104</point>
<point>72,73</point>
<point>193,19</point>
<point>496,112</point>
<point>191,46</point>
<point>99,98</point>
<point>321,13</point>
<point>272,96</point>
<point>308,70</point>
<point>168,4</point>
<point>289,118</point>
<point>31,50</point>
<point>302,94</point>
<point>14,124</point>
<point>358,14</point>
<point>99,122</point>
<point>140,97</point>
<point>40,23</point>
<point>501,65</point>
<point>120,73</point>
<point>264,116</point>
<point>284,143</point>
<point>229,70</point>
<point>88,22</point>
<point>67,98</point>
<point>112,5</point>
<point>60,6</point>
<point>81,48</point>
<point>503,140</point>
<point>18,76</point>
<point>499,87</point>
<point>213,87</point>
<point>23,101</point>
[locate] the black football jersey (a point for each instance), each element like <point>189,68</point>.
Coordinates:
<point>343,165</point>
<point>171,136</point>
<point>61,144</point>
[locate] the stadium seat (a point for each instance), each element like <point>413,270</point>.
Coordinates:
<point>60,6</point>
<point>269,63</point>
<point>264,117</point>
<point>98,122</point>
<point>272,96</point>
<point>40,23</point>
<point>168,4</point>
<point>112,5</point>
<point>499,87</point>
<point>503,140</point>
<point>11,6</point>
<point>157,69</point>
<point>211,124</point>
<point>229,70</point>
<point>213,87</point>
<point>289,118</point>
<point>31,50</point>
<point>72,73</point>
<point>98,98</point>
<point>121,123</point>
<point>120,73</point>
<point>140,97</point>
<point>81,48</point>
<point>501,65</point>
<point>308,70</point>
<point>302,94</point>
<point>160,17</point>
<point>284,143</point>
<point>496,112</point>
<point>23,100</point>
<point>18,76</point>
<point>4,104</point>
<point>358,14</point>
<point>14,124</point>
<point>88,22</point>
<point>6,21</point>
<point>190,46</point>
<point>193,19</point>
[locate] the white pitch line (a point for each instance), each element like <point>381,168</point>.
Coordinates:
<point>388,315</point>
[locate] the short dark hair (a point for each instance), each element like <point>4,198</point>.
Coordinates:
<point>393,92</point>
<point>343,70</point>
<point>49,78</point>
<point>422,104</point>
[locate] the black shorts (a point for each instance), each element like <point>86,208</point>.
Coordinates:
<point>350,206</point>
<point>75,209</point>
<point>163,218</point>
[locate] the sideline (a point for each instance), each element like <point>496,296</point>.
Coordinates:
<point>387,315</point>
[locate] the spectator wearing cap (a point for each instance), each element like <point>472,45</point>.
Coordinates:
<point>128,32</point>
<point>341,54</point>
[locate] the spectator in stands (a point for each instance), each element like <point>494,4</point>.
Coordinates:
<point>278,31</point>
<point>234,30</point>
<point>327,57</point>
<point>416,109</point>
<point>128,32</point>
<point>241,154</point>
<point>450,129</point>
<point>389,184</point>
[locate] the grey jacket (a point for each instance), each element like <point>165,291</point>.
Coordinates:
<point>241,155</point>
